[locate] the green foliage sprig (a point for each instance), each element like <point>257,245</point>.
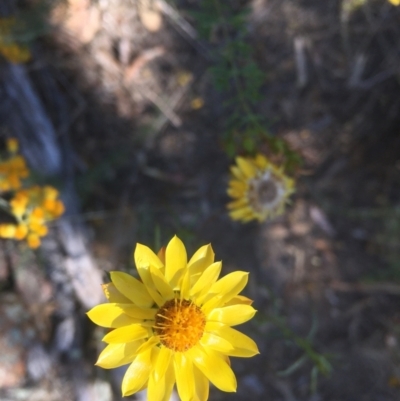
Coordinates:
<point>237,74</point>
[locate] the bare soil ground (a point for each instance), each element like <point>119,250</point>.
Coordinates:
<point>148,164</point>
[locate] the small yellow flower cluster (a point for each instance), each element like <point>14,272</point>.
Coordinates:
<point>32,207</point>
<point>12,51</point>
<point>13,169</point>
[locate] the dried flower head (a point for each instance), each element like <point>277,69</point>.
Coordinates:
<point>174,325</point>
<point>259,188</point>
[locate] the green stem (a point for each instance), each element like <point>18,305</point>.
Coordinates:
<point>235,69</point>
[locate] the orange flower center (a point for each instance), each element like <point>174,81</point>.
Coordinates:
<point>180,324</point>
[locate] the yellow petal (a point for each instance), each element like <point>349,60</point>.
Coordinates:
<point>244,213</point>
<point>185,285</point>
<point>145,275</point>
<point>239,299</point>
<point>183,367</point>
<point>229,286</point>
<point>113,295</point>
<point>202,385</point>
<point>224,290</point>
<point>115,355</point>
<point>115,319</point>
<point>7,230</point>
<point>118,315</point>
<point>156,385</point>
<point>238,204</point>
<point>232,315</point>
<point>198,267</point>
<point>216,343</point>
<point>144,256</point>
<point>155,388</point>
<point>205,254</point>
<point>207,279</point>
<point>151,343</point>
<point>247,167</point>
<point>261,161</point>
<point>236,172</point>
<point>21,231</point>
<point>137,374</point>
<point>131,288</point>
<point>126,334</point>
<point>169,382</point>
<point>175,260</point>
<point>214,368</point>
<point>33,241</point>
<point>235,193</point>
<point>243,346</point>
<point>161,283</point>
<point>162,363</point>
<point>137,312</point>
<point>238,185</point>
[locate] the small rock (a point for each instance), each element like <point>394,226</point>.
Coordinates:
<point>301,228</point>
<point>278,231</point>
<point>319,217</point>
<point>38,362</point>
<point>150,15</point>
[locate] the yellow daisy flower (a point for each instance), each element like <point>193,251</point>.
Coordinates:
<point>259,188</point>
<point>174,326</point>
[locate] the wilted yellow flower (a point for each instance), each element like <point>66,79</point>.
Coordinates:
<point>13,52</point>
<point>174,326</point>
<point>259,188</point>
<point>33,208</point>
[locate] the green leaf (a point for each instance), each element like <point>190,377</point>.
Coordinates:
<point>293,367</point>
<point>314,380</point>
<point>248,145</point>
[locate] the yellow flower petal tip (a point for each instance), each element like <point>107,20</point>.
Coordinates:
<point>259,189</point>
<point>173,327</point>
